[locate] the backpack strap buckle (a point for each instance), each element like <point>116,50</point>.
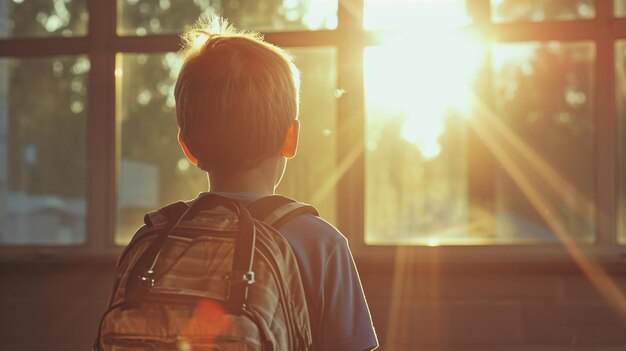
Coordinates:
<point>146,280</point>
<point>240,277</point>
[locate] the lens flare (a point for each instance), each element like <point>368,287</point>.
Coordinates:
<point>209,321</point>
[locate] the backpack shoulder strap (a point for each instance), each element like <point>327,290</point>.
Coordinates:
<point>168,213</point>
<point>277,210</point>
<point>170,216</point>
<point>155,218</point>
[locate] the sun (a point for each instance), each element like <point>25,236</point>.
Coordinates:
<point>421,75</point>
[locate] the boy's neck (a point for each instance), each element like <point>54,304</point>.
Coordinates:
<point>231,186</point>
<point>259,181</point>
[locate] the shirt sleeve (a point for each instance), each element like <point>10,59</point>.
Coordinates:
<point>345,323</point>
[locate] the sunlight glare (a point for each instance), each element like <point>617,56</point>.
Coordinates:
<point>320,14</point>
<point>423,14</point>
<point>432,242</point>
<point>423,83</point>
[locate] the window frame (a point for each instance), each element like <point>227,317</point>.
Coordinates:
<point>102,43</point>
<point>603,30</point>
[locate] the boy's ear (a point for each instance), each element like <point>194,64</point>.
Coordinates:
<point>290,145</point>
<point>188,153</point>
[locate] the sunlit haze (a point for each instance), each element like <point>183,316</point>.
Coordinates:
<point>424,73</point>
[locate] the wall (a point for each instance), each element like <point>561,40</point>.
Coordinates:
<point>52,306</point>
<point>56,306</point>
<point>469,309</point>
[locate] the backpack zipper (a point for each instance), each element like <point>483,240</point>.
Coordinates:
<point>166,299</point>
<point>157,344</point>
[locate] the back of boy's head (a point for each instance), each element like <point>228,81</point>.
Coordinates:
<point>236,97</point>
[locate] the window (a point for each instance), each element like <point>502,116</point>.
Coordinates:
<point>382,14</point>
<point>542,10</point>
<point>143,17</point>
<point>416,178</point>
<point>153,171</point>
<point>42,129</point>
<point>483,126</point>
<point>43,18</point>
<point>488,136</point>
<point>544,87</point>
<point>620,8</point>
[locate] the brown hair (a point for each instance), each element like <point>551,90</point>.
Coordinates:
<point>236,96</point>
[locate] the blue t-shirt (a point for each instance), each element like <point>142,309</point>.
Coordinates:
<point>340,318</point>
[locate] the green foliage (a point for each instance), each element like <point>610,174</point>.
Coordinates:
<point>547,100</point>
<point>47,121</point>
<point>41,18</point>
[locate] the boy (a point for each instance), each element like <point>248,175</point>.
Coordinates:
<point>236,107</point>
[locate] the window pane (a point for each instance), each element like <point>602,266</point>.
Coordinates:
<point>414,14</point>
<point>544,97</point>
<point>416,138</point>
<point>154,170</point>
<point>620,8</point>
<point>42,150</point>
<point>311,176</point>
<point>620,66</point>
<point>541,10</point>
<point>141,17</point>
<point>43,18</point>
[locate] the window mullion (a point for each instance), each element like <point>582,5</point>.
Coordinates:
<point>605,131</point>
<point>350,120</point>
<point>618,28</point>
<point>101,133</point>
<point>42,47</point>
<point>479,11</point>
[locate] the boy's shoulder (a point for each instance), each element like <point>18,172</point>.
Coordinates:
<point>313,239</point>
<point>316,227</point>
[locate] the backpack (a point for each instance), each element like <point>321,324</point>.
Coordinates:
<point>196,278</point>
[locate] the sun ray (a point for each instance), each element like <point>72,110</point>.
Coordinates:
<point>328,185</point>
<point>500,140</point>
<point>567,192</point>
